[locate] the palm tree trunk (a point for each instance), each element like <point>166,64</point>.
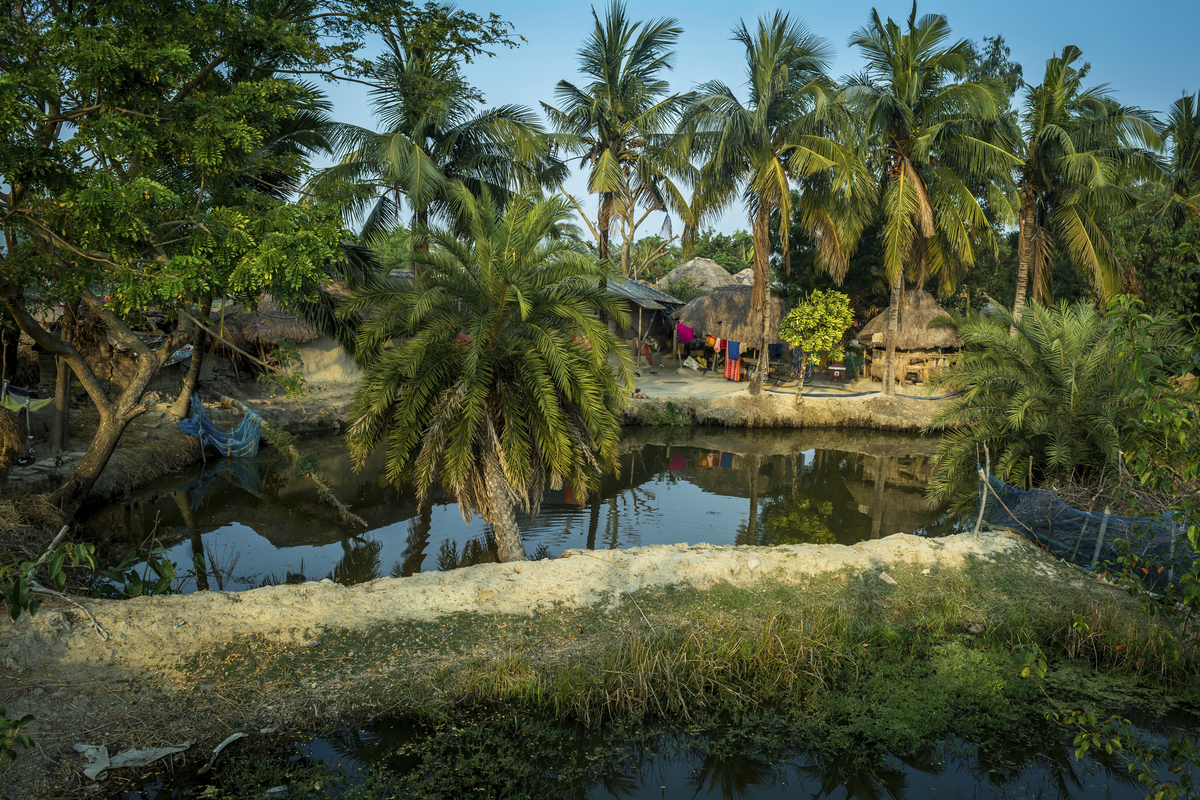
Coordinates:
<point>760,295</point>
<point>509,546</point>
<point>1024,253</point>
<point>889,361</point>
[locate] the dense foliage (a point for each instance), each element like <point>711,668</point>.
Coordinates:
<point>1048,402</point>
<point>488,373</point>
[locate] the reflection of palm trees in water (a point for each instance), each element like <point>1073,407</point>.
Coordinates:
<point>414,548</point>
<point>731,776</point>
<point>360,562</point>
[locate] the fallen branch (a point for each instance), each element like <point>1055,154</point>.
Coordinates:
<point>294,454</point>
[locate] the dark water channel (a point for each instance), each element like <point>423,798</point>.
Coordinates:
<point>573,762</point>
<point>256,524</point>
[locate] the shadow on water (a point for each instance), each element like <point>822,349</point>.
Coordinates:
<point>251,522</point>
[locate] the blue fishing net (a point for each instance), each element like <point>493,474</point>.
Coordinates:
<point>1089,539</point>
<point>242,441</point>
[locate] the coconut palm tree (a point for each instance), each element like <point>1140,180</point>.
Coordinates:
<point>618,124</point>
<point>434,137</point>
<point>1181,191</point>
<point>489,372</point>
<point>1075,146</point>
<point>937,162</point>
<point>783,133</point>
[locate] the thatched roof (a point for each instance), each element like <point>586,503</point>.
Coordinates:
<point>268,325</point>
<point>745,277</point>
<point>917,309</point>
<point>725,312</point>
<point>703,272</point>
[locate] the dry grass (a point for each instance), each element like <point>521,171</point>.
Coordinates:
<point>27,524</point>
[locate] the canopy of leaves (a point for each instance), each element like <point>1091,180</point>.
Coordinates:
<point>818,324</point>
<point>144,142</point>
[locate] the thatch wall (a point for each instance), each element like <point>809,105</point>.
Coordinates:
<point>725,312</point>
<point>917,309</point>
<point>705,273</point>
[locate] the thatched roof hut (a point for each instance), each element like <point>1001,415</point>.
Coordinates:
<point>269,324</point>
<point>745,277</point>
<point>705,273</point>
<point>917,309</point>
<point>725,312</point>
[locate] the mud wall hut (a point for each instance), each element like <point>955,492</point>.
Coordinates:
<point>920,349</point>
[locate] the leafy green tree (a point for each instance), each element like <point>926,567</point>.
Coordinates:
<point>932,150</point>
<point>434,134</point>
<point>734,251</point>
<point>990,59</point>
<point>137,139</point>
<point>489,372</point>
<point>818,325</point>
<point>1046,402</point>
<point>783,133</point>
<point>617,125</point>
<point>1076,145</point>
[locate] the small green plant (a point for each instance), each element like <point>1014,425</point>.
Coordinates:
<point>10,734</point>
<point>19,578</point>
<point>124,581</point>
<point>285,375</point>
<point>671,416</point>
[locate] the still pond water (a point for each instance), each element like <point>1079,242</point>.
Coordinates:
<point>257,524</point>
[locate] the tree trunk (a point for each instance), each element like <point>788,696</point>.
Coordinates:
<point>183,500</point>
<point>60,439</point>
<point>889,362</point>
<point>760,295</point>
<point>1024,254</point>
<point>882,465</point>
<point>509,546</point>
<point>179,409</point>
<point>593,519</point>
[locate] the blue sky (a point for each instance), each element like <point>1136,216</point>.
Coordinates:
<point>1144,50</point>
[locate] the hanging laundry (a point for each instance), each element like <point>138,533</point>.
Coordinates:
<point>686,334</point>
<point>727,460</point>
<point>733,362</point>
<point>678,462</point>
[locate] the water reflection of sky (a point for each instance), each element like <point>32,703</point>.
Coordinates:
<point>256,523</point>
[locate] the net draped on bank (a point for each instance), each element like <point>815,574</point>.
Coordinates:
<point>1088,539</point>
